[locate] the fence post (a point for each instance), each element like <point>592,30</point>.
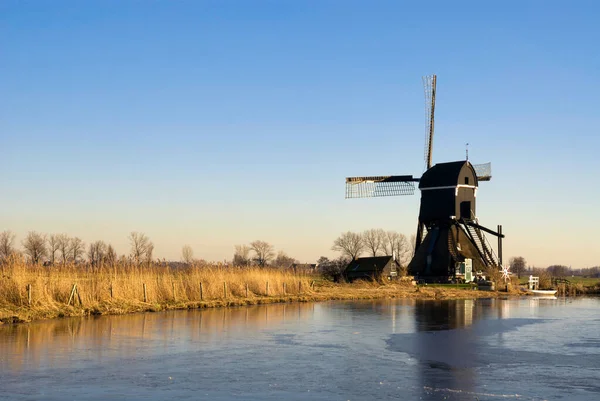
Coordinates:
<point>173,285</point>
<point>28,294</point>
<point>299,287</point>
<point>111,290</point>
<point>246,290</point>
<point>267,288</point>
<point>145,294</point>
<point>224,289</point>
<point>284,288</point>
<point>72,294</point>
<point>201,292</point>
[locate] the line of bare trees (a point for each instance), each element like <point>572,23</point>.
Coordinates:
<point>261,253</point>
<point>42,248</point>
<point>374,242</point>
<point>518,266</point>
<point>54,249</point>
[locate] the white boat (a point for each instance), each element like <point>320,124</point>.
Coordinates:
<point>534,285</point>
<point>543,292</point>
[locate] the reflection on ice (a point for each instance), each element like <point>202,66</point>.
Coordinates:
<point>384,349</point>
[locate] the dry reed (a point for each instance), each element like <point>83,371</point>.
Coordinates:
<point>76,290</point>
<point>123,288</point>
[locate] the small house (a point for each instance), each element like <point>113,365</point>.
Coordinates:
<point>372,268</point>
<point>306,268</point>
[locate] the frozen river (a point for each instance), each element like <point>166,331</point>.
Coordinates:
<point>526,349</point>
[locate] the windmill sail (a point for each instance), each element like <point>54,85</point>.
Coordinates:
<point>375,186</point>
<point>429,84</point>
<point>483,171</point>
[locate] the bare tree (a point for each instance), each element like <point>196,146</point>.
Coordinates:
<point>517,265</point>
<point>349,244</point>
<point>187,254</point>
<point>333,269</point>
<point>559,271</point>
<point>64,247</point>
<point>97,253</point>
<point>283,260</point>
<point>149,253</point>
<point>35,246</point>
<point>263,252</point>
<point>412,242</point>
<point>389,245</point>
<point>591,271</point>
<point>53,246</point>
<point>544,276</point>
<point>373,240</point>
<point>7,249</point>
<point>323,261</point>
<point>397,244</point>
<point>111,255</point>
<point>404,249</point>
<point>77,249</point>
<point>141,247</point>
<point>241,257</point>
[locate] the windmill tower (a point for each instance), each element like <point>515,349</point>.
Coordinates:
<point>448,231</point>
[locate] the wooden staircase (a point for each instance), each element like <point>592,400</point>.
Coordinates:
<point>484,248</point>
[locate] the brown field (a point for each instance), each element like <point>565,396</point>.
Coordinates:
<point>35,292</point>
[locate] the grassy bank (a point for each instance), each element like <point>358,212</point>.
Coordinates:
<point>573,285</point>
<point>35,292</point>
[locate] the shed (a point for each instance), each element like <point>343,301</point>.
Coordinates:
<point>371,268</point>
<point>304,267</point>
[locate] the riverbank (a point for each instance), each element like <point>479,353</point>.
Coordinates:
<point>13,314</point>
<point>35,293</point>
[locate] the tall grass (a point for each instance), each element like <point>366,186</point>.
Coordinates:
<point>119,288</point>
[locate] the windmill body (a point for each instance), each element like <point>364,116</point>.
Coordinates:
<point>448,189</point>
<point>448,231</point>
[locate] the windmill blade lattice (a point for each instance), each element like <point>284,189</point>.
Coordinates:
<point>376,186</point>
<point>429,85</point>
<point>483,171</point>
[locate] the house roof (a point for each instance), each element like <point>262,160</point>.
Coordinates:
<point>443,174</point>
<point>368,264</point>
<point>304,265</point>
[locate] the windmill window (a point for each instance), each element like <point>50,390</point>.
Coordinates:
<point>466,180</point>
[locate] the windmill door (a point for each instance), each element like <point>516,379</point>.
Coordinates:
<point>465,210</point>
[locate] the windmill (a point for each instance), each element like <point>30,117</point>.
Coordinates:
<point>448,230</point>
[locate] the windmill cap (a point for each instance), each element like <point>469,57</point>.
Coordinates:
<point>447,175</point>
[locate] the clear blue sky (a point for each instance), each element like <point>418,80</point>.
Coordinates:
<point>218,123</point>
